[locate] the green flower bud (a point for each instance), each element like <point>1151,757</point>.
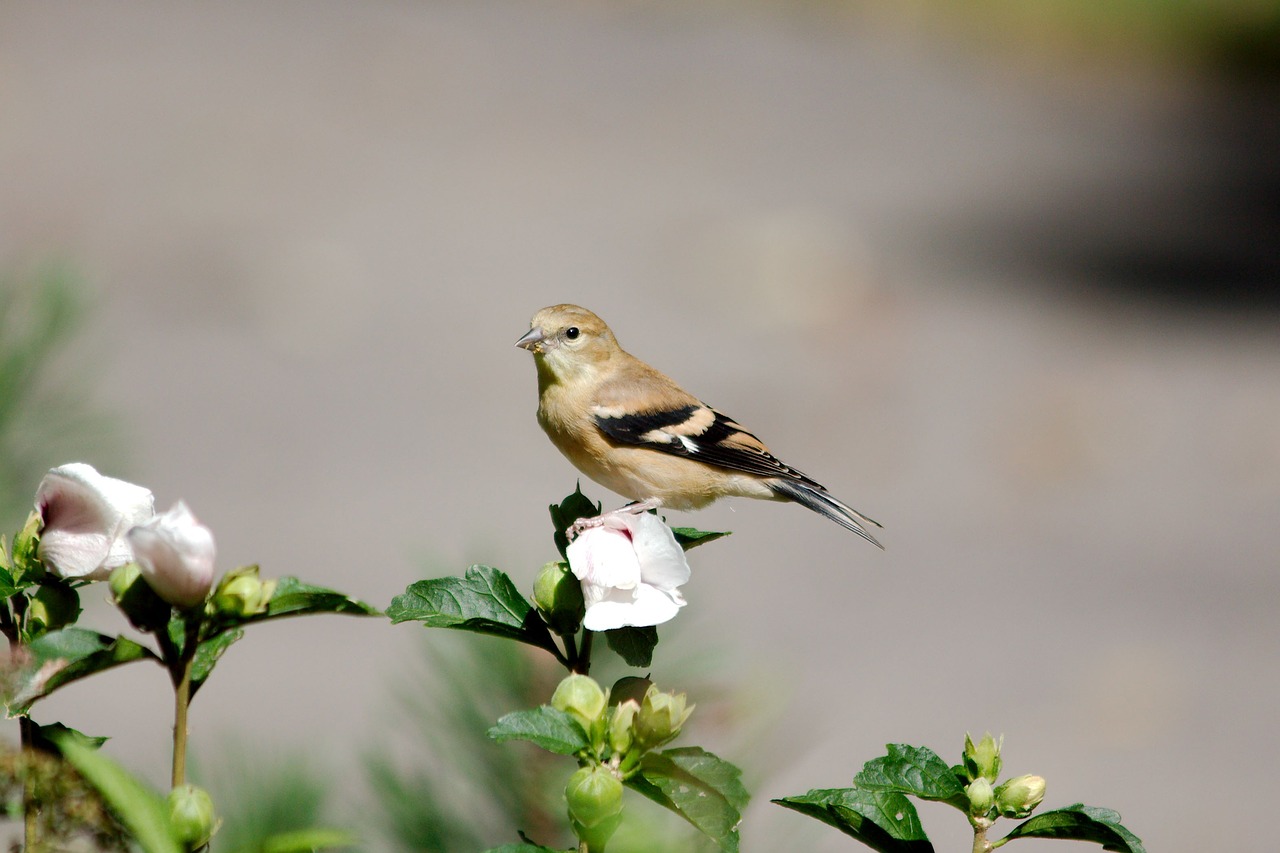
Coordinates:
<point>241,594</point>
<point>660,717</point>
<point>594,797</point>
<point>622,726</point>
<point>580,697</point>
<point>26,550</point>
<point>137,600</point>
<point>1019,796</point>
<point>52,607</point>
<point>191,816</point>
<point>981,797</point>
<point>558,594</point>
<point>982,760</point>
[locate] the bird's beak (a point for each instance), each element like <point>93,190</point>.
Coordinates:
<point>532,339</point>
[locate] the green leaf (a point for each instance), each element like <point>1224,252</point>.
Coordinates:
<point>27,567</point>
<point>691,537</point>
<point>915,770</point>
<point>523,848</point>
<point>47,737</point>
<point>139,808</point>
<point>293,597</point>
<point>305,841</point>
<point>61,657</point>
<point>1079,822</point>
<point>484,601</point>
<point>633,645</point>
<point>208,653</point>
<point>8,588</point>
<point>565,513</point>
<point>885,821</point>
<point>698,786</point>
<point>548,727</point>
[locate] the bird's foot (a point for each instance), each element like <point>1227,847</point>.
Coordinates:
<point>634,508</point>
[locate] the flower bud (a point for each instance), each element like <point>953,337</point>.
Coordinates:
<point>580,697</point>
<point>242,594</point>
<point>594,797</point>
<point>145,610</point>
<point>622,726</point>
<point>660,717</point>
<point>982,760</point>
<point>1019,796</point>
<point>558,594</point>
<point>191,816</point>
<point>980,795</point>
<point>52,607</point>
<point>176,553</point>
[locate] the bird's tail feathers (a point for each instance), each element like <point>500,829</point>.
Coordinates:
<point>824,503</point>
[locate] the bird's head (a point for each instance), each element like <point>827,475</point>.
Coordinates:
<point>567,341</point>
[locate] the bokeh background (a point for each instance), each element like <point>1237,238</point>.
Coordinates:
<point>1002,275</point>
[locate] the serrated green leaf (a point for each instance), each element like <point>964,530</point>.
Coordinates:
<point>305,841</point>
<point>691,537</point>
<point>5,563</point>
<point>633,645</point>
<point>484,601</point>
<point>545,726</point>
<point>885,821</point>
<point>915,770</point>
<point>700,787</point>
<point>565,513</point>
<point>1079,822</point>
<point>139,808</point>
<point>61,657</point>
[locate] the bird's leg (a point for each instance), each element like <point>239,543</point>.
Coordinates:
<point>633,508</point>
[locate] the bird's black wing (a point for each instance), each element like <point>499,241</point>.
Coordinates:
<point>697,432</point>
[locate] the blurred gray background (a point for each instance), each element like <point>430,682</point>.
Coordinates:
<point>1014,296</point>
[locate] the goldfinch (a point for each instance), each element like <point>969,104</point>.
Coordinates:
<point>635,431</point>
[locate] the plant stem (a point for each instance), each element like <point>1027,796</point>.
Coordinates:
<point>582,664</point>
<point>980,843</point>
<point>30,808</point>
<point>181,702</point>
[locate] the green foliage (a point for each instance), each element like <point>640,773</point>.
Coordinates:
<point>547,727</point>
<point>914,770</point>
<point>698,786</point>
<point>877,812</point>
<point>884,821</point>
<point>484,601</point>
<point>565,513</point>
<point>61,657</point>
<point>1079,822</point>
<point>633,645</point>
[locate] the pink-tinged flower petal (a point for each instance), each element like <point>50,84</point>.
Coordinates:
<point>86,517</point>
<point>631,567</point>
<point>175,553</point>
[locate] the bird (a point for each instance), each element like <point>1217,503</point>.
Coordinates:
<point>633,430</point>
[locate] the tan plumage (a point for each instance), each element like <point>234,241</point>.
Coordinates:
<point>634,430</point>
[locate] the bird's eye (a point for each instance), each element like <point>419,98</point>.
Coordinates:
<point>572,333</point>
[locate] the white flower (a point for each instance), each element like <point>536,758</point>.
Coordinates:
<point>86,517</point>
<point>175,553</point>
<point>630,567</point>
